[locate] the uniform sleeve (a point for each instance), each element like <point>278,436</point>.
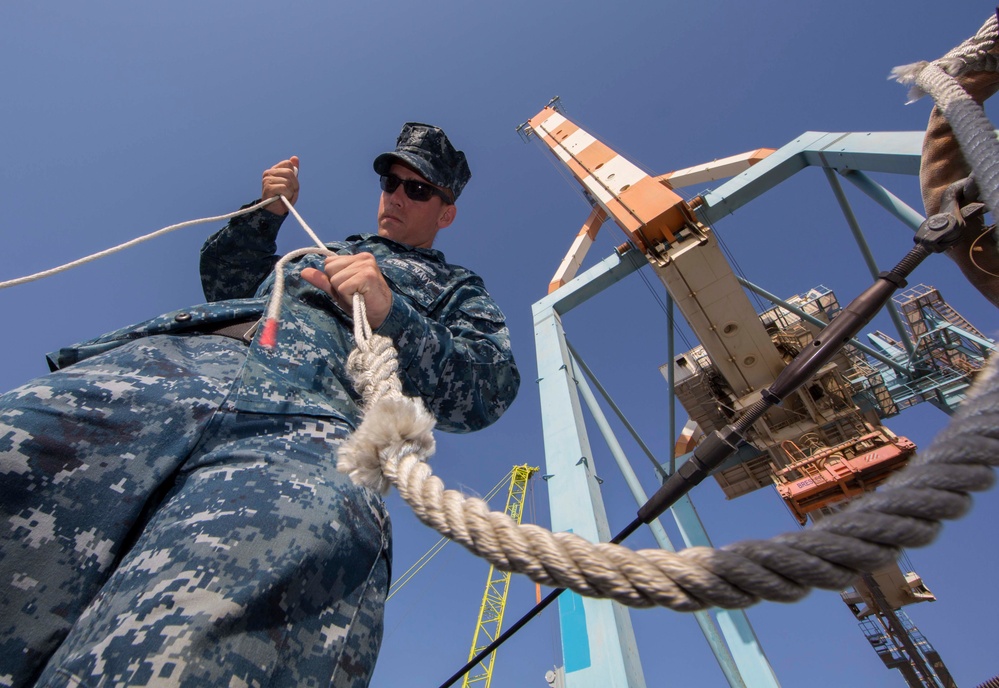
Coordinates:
<point>461,363</point>
<point>237,258</point>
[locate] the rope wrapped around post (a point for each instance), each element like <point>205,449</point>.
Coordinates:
<point>973,130</point>
<point>395,438</point>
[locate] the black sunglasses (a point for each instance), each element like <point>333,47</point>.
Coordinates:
<point>415,190</point>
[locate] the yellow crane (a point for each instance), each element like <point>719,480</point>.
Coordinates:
<point>490,622</point>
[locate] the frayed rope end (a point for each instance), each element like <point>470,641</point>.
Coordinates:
<point>907,74</point>
<point>390,423</point>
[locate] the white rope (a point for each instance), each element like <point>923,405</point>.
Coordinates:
<point>305,225</point>
<point>130,244</point>
<point>390,418</point>
<point>970,56</point>
<point>974,132</point>
<point>395,438</point>
<point>273,313</point>
<point>152,235</point>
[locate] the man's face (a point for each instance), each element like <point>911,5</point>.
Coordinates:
<point>410,222</point>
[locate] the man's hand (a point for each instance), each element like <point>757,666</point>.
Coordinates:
<point>281,180</point>
<point>344,275</point>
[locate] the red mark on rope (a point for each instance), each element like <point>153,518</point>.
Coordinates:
<point>268,338</point>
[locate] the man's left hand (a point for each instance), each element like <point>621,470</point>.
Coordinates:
<point>342,276</point>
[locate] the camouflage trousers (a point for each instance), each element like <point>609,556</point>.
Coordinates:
<point>150,535</point>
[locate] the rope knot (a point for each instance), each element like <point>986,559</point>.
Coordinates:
<point>372,367</point>
<point>394,425</point>
<point>393,428</point>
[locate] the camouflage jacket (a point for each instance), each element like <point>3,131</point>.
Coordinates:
<point>453,343</point>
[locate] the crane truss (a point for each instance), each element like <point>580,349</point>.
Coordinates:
<point>490,621</point>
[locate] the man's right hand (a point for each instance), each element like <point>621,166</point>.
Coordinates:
<point>281,180</point>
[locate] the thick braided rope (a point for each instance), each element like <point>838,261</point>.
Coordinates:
<point>971,56</point>
<point>968,56</point>
<point>390,418</point>
<point>395,438</point>
<point>972,129</point>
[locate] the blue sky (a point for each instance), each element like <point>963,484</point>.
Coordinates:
<point>123,118</point>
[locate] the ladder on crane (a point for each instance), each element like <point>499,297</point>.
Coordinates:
<point>490,622</point>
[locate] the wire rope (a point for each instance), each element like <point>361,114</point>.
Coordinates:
<point>411,572</point>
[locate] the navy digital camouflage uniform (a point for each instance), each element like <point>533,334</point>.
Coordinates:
<point>171,511</point>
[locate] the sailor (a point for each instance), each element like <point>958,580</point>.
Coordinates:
<point>171,511</point>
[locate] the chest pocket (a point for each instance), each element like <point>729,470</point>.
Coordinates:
<point>424,284</point>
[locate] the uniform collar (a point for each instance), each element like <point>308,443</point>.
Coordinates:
<point>396,246</point>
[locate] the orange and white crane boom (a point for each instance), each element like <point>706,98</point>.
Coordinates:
<point>683,252</point>
<point>648,211</point>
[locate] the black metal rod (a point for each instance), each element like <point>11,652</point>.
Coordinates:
<point>493,646</point>
<point>531,613</point>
